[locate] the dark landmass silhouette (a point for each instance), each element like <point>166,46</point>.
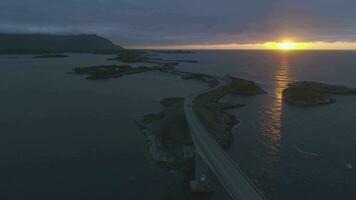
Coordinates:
<point>47,43</point>
<point>51,56</point>
<point>309,93</point>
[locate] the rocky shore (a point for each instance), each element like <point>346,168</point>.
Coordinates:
<point>169,143</point>
<point>131,56</point>
<point>307,93</point>
<point>137,56</point>
<point>109,71</point>
<point>173,51</point>
<point>51,56</point>
<point>215,116</point>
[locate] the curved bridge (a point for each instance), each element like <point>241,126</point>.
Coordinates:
<point>235,182</point>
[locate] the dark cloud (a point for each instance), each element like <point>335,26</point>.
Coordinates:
<point>157,22</point>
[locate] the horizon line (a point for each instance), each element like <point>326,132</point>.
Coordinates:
<point>316,45</point>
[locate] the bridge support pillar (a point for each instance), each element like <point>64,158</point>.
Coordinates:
<point>202,182</point>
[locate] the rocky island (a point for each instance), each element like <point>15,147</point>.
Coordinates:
<point>109,71</point>
<point>211,112</point>
<point>132,56</point>
<point>173,51</point>
<point>308,93</point>
<point>167,132</point>
<point>139,56</point>
<point>214,114</point>
<point>51,56</point>
<point>169,143</point>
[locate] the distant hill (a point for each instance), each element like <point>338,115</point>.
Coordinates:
<point>46,43</point>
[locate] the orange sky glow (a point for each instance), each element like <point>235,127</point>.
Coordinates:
<point>278,45</point>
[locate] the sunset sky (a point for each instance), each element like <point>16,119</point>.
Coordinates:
<point>201,24</point>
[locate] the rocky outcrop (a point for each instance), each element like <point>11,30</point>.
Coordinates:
<point>306,93</point>
<point>171,101</point>
<point>214,115</point>
<point>109,71</point>
<point>241,86</point>
<point>173,51</point>
<point>168,137</point>
<point>131,56</point>
<point>51,56</point>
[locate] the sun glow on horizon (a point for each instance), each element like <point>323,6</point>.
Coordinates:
<point>284,45</point>
<point>287,45</point>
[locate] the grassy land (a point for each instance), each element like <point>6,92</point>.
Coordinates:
<point>170,126</point>
<point>313,93</point>
<point>210,111</point>
<point>171,101</point>
<point>51,56</point>
<point>109,71</point>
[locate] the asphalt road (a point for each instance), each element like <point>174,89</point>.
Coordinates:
<point>235,182</point>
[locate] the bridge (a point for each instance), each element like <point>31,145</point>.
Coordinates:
<point>235,182</point>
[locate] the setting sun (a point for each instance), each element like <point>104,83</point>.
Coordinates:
<point>286,45</point>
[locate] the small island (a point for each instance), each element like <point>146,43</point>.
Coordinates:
<point>174,60</point>
<point>214,114</point>
<point>173,51</point>
<point>51,56</point>
<point>109,71</point>
<point>171,101</point>
<point>169,143</point>
<point>308,93</point>
<point>140,56</point>
<point>132,56</point>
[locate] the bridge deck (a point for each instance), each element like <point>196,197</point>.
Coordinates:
<point>235,182</point>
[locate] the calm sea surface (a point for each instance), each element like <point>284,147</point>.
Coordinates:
<point>292,153</point>
<point>65,137</point>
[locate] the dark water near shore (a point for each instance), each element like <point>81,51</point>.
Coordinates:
<point>64,137</point>
<point>290,152</point>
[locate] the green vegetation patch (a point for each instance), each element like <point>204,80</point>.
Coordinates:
<point>322,87</point>
<point>129,56</point>
<point>306,93</point>
<point>109,71</point>
<point>306,96</point>
<point>171,101</point>
<point>174,51</point>
<point>167,134</point>
<point>207,110</point>
<point>243,87</point>
<point>212,113</point>
<point>51,56</point>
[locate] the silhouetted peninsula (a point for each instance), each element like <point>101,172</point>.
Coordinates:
<point>47,43</point>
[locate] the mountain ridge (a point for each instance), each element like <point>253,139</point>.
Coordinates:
<point>52,43</point>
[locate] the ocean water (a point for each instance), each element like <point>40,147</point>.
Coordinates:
<point>291,152</point>
<point>65,137</point>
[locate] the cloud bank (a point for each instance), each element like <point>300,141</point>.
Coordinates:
<point>183,22</point>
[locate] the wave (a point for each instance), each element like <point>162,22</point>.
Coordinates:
<point>305,152</point>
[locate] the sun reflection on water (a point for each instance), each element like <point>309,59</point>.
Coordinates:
<point>272,122</point>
